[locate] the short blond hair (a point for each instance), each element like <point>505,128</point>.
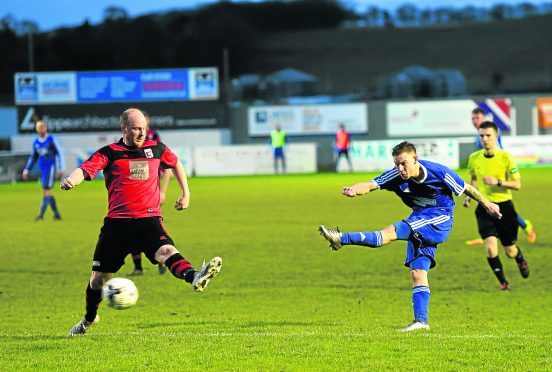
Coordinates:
<point>404,146</point>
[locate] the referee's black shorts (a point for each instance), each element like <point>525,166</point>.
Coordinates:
<point>121,236</point>
<point>505,229</point>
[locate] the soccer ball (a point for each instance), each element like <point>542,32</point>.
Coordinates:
<point>120,293</point>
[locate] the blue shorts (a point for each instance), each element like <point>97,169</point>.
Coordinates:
<point>430,227</point>
<point>48,176</point>
<point>279,152</point>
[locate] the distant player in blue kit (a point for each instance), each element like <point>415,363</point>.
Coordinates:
<point>427,188</point>
<point>48,153</point>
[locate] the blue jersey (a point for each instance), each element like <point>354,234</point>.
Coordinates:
<point>434,191</point>
<point>48,153</point>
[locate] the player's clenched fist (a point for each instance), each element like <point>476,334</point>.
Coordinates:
<point>494,210</point>
<point>67,183</point>
<point>182,203</point>
<point>348,191</point>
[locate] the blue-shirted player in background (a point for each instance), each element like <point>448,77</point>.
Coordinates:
<point>478,116</point>
<point>427,188</point>
<point>47,152</point>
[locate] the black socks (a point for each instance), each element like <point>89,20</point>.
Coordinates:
<point>496,266</point>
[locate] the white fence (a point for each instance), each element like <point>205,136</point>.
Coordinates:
<point>371,156</point>
<point>252,159</point>
<point>530,151</point>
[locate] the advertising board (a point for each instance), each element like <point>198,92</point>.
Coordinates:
<point>308,119</point>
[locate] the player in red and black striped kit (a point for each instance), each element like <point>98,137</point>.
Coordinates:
<point>131,171</point>
<point>164,179</point>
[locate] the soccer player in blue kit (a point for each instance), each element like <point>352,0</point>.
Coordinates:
<point>48,153</point>
<point>427,188</point>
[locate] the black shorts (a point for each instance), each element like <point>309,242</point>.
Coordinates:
<point>505,229</point>
<point>121,236</point>
<point>344,152</point>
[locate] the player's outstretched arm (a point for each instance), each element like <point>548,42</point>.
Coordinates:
<point>359,189</point>
<point>491,208</point>
<point>74,179</point>
<point>473,182</point>
<point>183,200</point>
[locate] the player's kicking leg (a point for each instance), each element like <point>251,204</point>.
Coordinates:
<point>332,236</point>
<point>373,239</point>
<point>419,266</point>
<point>183,269</point>
<point>208,271</point>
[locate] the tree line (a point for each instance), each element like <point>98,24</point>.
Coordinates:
<point>196,37</point>
<point>410,15</point>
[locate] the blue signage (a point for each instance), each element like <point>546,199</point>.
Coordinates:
<point>26,88</point>
<point>117,86</point>
<point>132,86</point>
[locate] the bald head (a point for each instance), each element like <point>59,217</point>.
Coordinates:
<point>134,125</point>
<point>41,128</point>
<point>131,115</point>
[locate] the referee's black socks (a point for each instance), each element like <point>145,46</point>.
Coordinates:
<point>519,257</point>
<point>496,266</point>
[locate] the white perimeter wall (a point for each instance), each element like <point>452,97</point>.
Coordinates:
<point>78,147</point>
<point>372,156</point>
<point>530,151</point>
<point>252,159</point>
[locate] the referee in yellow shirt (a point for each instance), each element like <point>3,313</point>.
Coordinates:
<point>494,172</point>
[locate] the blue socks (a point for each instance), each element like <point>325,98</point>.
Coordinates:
<point>374,239</point>
<point>369,239</point>
<point>521,222</point>
<point>420,303</point>
<point>48,201</point>
<point>54,206</point>
<point>43,206</point>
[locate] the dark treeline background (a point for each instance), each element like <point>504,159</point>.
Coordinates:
<point>197,37</point>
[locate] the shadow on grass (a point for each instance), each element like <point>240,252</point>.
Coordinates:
<point>33,337</point>
<point>177,324</point>
<point>261,324</point>
<point>29,272</point>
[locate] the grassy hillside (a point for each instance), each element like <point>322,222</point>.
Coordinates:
<point>283,300</point>
<point>353,59</point>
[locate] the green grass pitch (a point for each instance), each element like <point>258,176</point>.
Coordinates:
<point>283,300</point>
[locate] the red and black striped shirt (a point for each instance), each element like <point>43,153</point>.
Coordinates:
<point>131,176</point>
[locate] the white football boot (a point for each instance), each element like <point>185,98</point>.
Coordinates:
<point>207,272</point>
<point>415,326</point>
<point>332,236</point>
<point>82,327</point>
